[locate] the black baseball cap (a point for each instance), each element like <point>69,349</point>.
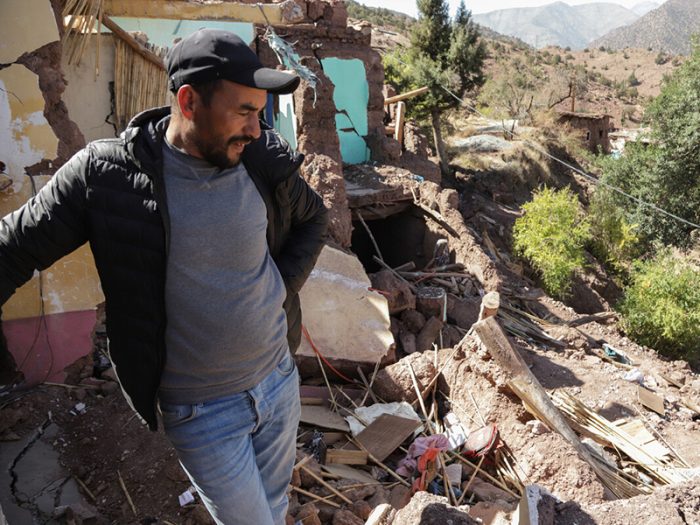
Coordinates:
<point>210,54</point>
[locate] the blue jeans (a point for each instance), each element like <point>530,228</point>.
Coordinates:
<point>239,451</point>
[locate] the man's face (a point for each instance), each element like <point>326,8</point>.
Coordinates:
<point>221,129</point>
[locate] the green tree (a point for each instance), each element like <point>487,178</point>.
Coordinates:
<point>666,171</point>
<point>444,53</point>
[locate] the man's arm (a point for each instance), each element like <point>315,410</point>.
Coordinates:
<point>309,223</point>
<point>47,227</point>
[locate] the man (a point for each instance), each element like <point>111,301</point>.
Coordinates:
<point>203,233</point>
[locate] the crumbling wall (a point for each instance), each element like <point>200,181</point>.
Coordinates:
<point>37,137</point>
<point>319,119</point>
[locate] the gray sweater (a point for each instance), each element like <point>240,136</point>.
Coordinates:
<point>226,325</point>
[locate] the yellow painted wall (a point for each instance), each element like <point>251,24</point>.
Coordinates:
<point>25,25</point>
<point>25,139</point>
<point>87,96</point>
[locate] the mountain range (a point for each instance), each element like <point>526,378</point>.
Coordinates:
<point>668,28</point>
<point>559,23</point>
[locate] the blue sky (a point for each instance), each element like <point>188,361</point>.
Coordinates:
<point>482,6</point>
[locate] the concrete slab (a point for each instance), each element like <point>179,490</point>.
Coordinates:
<point>345,320</point>
<point>41,483</point>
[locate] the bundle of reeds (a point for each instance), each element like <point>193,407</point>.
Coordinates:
<point>620,483</point>
<point>80,17</point>
<point>665,469</point>
<point>139,83</point>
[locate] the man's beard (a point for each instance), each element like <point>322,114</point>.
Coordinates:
<point>217,154</point>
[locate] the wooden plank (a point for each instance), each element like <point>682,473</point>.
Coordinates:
<point>650,400</point>
<point>132,42</point>
<point>346,457</point>
<point>643,438</point>
<point>385,434</point>
<point>257,13</point>
<point>332,437</point>
<point>407,95</point>
<point>322,417</point>
<point>348,472</point>
<point>312,401</point>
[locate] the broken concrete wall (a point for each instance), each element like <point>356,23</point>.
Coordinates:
<point>340,120</point>
<point>38,136</point>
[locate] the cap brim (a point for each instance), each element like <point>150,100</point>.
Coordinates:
<point>276,82</point>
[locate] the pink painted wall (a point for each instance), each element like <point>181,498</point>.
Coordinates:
<point>42,354</point>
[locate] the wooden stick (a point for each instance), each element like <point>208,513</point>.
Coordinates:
<point>407,95</point>
<point>326,485</point>
<point>126,493</point>
<point>471,480</point>
<point>430,275</point>
<point>371,382</point>
<point>302,462</point>
<point>437,375</point>
<point>485,474</point>
<point>414,380</point>
<point>315,497</point>
<point>434,215</point>
<point>334,405</point>
<point>400,122</point>
<point>369,232</point>
<point>478,412</point>
<point>368,387</point>
<point>132,42</point>
<point>489,305</point>
<point>406,267</point>
<point>379,463</point>
<point>73,387</point>
<point>86,489</point>
<point>397,274</point>
<point>446,481</point>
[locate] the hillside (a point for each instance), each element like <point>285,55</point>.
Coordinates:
<point>619,83</point>
<point>379,16</point>
<point>643,8</point>
<point>558,23</point>
<point>522,81</point>
<point>668,28</point>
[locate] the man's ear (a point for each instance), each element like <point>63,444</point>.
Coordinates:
<point>186,99</point>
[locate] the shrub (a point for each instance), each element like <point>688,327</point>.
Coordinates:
<point>632,80</point>
<point>661,58</point>
<point>551,235</point>
<point>614,239</point>
<point>661,307</point>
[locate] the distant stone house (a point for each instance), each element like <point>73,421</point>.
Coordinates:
<point>594,129</point>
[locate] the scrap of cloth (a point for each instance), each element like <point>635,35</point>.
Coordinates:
<point>420,446</point>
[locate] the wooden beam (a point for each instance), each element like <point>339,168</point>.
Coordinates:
<point>400,121</point>
<point>284,13</point>
<point>132,42</point>
<point>526,386</point>
<point>489,305</point>
<point>407,95</point>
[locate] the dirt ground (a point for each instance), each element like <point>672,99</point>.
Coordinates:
<point>131,475</point>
